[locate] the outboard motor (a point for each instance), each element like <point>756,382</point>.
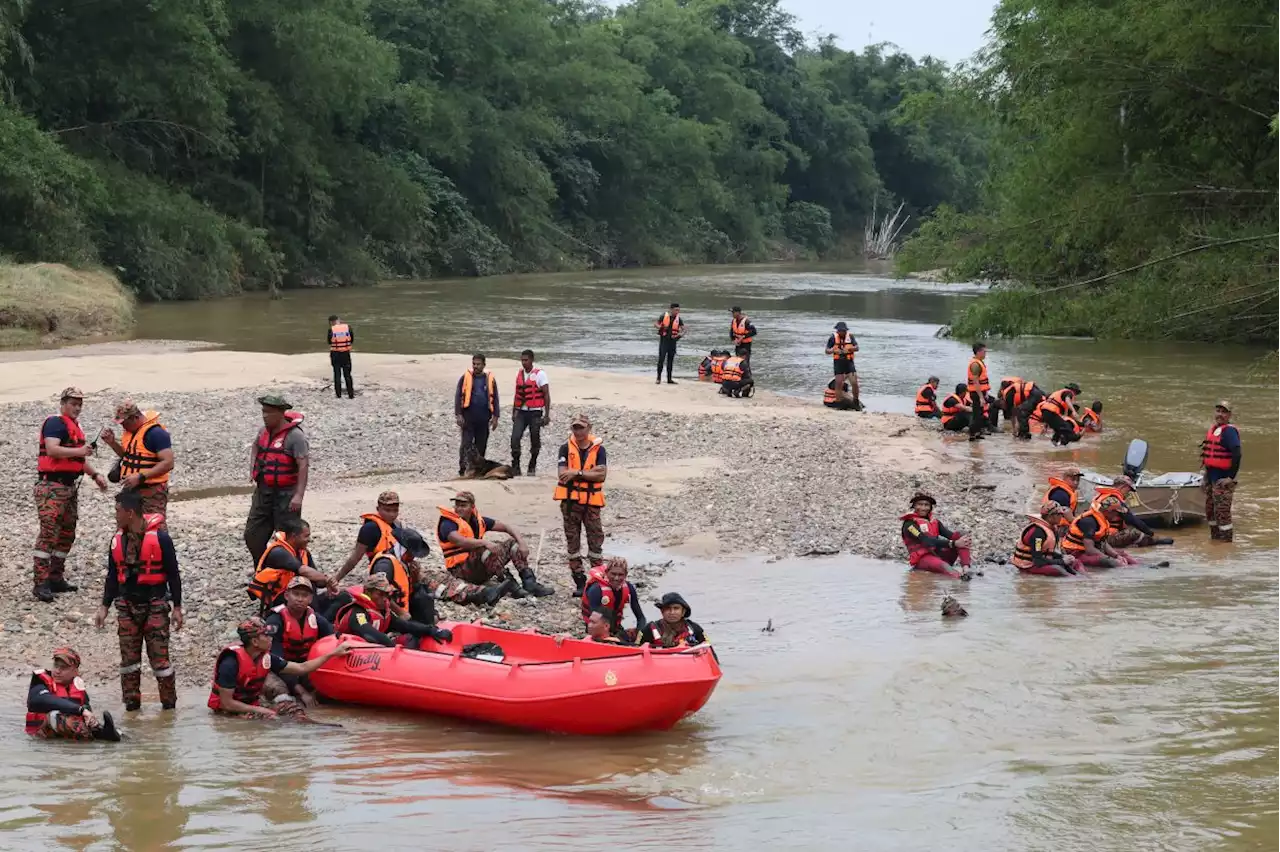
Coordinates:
<point>1135,458</point>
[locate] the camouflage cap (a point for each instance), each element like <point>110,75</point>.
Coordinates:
<point>378,583</point>
<point>464,497</point>
<point>1224,405</point>
<point>388,498</point>
<point>580,419</point>
<point>126,409</point>
<point>67,655</point>
<point>1071,471</point>
<point>274,400</point>
<point>300,583</point>
<point>1052,507</point>
<point>252,628</point>
<point>72,392</point>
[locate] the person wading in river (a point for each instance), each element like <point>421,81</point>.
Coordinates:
<point>1037,549</point>
<point>742,332</point>
<point>1087,535</point>
<point>296,628</point>
<point>1128,530</point>
<point>241,670</point>
<point>341,338</point>
<point>1220,454</point>
<point>476,410</point>
<point>279,468</point>
<point>63,457</point>
<point>843,347</point>
<point>670,328</point>
<point>58,705</point>
<point>583,467</point>
<point>978,386</point>
<point>530,409</point>
<point>930,545</point>
<point>146,455</point>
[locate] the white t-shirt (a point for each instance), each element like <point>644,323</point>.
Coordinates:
<point>539,376</point>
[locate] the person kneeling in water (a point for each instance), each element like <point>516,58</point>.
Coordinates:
<point>674,630</point>
<point>1128,530</point>
<point>599,627</point>
<point>736,373</point>
<point>930,545</point>
<point>1037,549</point>
<point>1087,537</point>
<point>241,671</point>
<point>369,617</point>
<point>58,706</point>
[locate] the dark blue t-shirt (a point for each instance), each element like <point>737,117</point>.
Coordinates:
<point>157,439</point>
<point>55,428</point>
<point>447,526</point>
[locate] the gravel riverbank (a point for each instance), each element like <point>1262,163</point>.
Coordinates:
<point>690,474</point>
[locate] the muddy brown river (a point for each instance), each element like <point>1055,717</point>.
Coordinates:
<point>1134,710</point>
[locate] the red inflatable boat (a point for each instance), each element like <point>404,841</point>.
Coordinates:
<point>570,687</point>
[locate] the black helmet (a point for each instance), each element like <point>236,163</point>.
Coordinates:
<point>412,542</point>
<point>671,598</point>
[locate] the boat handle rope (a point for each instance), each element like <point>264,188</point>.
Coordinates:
<point>1171,507</point>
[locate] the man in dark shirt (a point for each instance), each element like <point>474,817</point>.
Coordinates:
<point>670,327</point>
<point>476,409</point>
<point>58,705</point>
<point>357,619</point>
<point>146,460</point>
<point>675,629</point>
<point>376,534</point>
<point>142,578</point>
<point>233,695</point>
<point>340,338</point>
<point>1220,454</point>
<point>297,627</point>
<point>287,557</point>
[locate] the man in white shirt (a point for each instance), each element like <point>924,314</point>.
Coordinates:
<point>531,410</point>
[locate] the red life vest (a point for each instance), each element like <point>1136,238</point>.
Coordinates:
<point>150,567</point>
<point>527,390</point>
<point>380,619</point>
<point>298,636</point>
<point>1023,555</point>
<point>610,598</point>
<point>75,691</point>
<point>249,679</point>
<point>681,639</point>
<point>917,549</point>
<point>1213,455</point>
<point>273,467</point>
<point>46,463</point>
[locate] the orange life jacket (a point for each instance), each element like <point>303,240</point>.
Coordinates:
<point>399,576</point>
<point>527,390</point>
<point>75,691</point>
<point>704,369</point>
<point>1074,542</point>
<point>249,679</point>
<point>917,549</point>
<point>386,535</point>
<point>952,407</point>
<point>468,382</point>
<point>732,370</point>
<point>1091,420</point>
<point>298,635</point>
<point>843,345</point>
<point>717,368</point>
<point>1023,555</point>
<point>926,404</point>
<point>46,463</point>
<point>577,490</point>
<point>669,326</point>
<point>340,337</point>
<point>977,378</point>
<point>610,598</point>
<point>1059,402</point>
<point>379,618</point>
<point>1213,455</point>
<point>738,330</point>
<point>830,395</point>
<point>273,466</point>
<point>1018,392</point>
<point>452,553</point>
<point>150,568</point>
<point>269,583</point>
<point>1055,482</point>
<point>137,458</point>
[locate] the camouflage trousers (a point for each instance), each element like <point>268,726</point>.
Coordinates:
<point>58,507</point>
<point>63,726</point>
<point>457,583</point>
<point>139,623</point>
<point>155,500</point>
<point>578,516</point>
<point>1129,537</point>
<point>1218,497</point>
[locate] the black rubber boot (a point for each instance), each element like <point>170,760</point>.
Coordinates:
<point>108,730</point>
<point>60,586</point>
<point>131,706</point>
<point>43,593</point>
<point>1161,539</point>
<point>533,464</point>
<point>517,592</point>
<point>515,464</point>
<point>493,594</point>
<point>533,587</point>
<point>580,583</point>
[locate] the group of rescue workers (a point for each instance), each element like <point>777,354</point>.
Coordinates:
<point>730,369</point>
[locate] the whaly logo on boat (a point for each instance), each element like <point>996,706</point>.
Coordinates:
<point>364,662</point>
<point>610,679</point>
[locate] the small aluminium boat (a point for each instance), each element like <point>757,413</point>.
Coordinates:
<point>1167,499</point>
<point>536,682</point>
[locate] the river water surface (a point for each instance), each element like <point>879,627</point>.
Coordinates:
<point>1133,710</point>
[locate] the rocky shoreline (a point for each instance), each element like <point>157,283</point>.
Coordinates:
<point>767,476</point>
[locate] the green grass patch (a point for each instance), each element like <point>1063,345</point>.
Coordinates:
<point>42,303</point>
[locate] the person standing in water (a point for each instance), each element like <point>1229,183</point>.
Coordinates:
<point>1220,454</point>
<point>842,347</point>
<point>670,328</point>
<point>341,337</point>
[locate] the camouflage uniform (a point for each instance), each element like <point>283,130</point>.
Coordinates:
<point>1130,537</point>
<point>1218,497</point>
<point>155,500</point>
<point>576,517</point>
<point>144,621</point>
<point>456,583</point>
<point>64,726</point>
<point>58,507</point>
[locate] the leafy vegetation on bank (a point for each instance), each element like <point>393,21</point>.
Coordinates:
<point>205,146</point>
<point>1133,182</point>
<point>51,303</point>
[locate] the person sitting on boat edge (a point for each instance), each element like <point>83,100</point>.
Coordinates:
<point>399,564</point>
<point>1037,549</point>
<point>286,557</point>
<point>674,629</point>
<point>1129,530</point>
<point>471,560</point>
<point>368,616</point>
<point>930,545</point>
<point>296,628</point>
<point>58,705</point>
<point>241,670</point>
<point>599,625</point>
<point>376,534</point>
<point>1087,536</point>
<point>608,589</point>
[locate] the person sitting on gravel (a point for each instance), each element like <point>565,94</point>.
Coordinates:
<point>377,532</point>
<point>471,560</point>
<point>930,545</point>
<point>955,411</point>
<point>599,628</point>
<point>737,380</point>
<point>296,628</point>
<point>286,557</point>
<point>146,455</point>
<point>1087,536</point>
<point>241,670</point>
<point>1037,549</point>
<point>674,629</point>
<point>368,616</point>
<point>927,399</point>
<point>58,706</point>
<point>608,589</point>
